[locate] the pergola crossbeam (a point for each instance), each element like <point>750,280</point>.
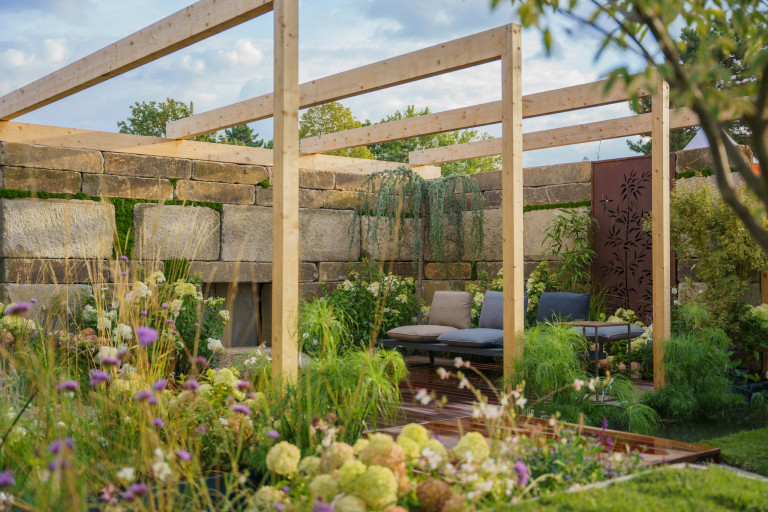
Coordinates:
<point>458,54</point>
<point>179,30</point>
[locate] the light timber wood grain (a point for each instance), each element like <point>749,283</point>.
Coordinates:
<point>662,248</point>
<point>285,209</point>
<point>179,30</point>
<point>512,191</point>
<point>555,137</point>
<point>461,53</point>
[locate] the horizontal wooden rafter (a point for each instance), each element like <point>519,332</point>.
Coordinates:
<point>179,30</point>
<point>588,132</point>
<point>25,133</point>
<point>542,103</point>
<point>458,54</point>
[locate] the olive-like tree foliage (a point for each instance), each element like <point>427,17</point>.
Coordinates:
<point>644,28</point>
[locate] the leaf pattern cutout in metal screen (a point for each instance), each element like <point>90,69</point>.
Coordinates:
<point>627,267</point>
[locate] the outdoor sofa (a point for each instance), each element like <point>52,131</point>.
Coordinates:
<point>449,330</point>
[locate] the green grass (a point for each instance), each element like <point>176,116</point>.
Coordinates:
<point>673,490</point>
<point>747,450</point>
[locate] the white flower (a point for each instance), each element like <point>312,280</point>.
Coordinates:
<point>103,323</point>
<point>127,369</point>
<point>123,332</point>
<point>224,421</point>
<point>578,384</point>
<point>127,474</point>
<point>115,304</point>
<point>157,277</point>
<point>592,384</point>
<point>162,470</point>
<point>224,314</point>
<point>105,351</point>
<point>422,395</point>
<point>674,290</point>
<point>374,289</point>
<point>347,285</point>
<point>141,290</point>
<point>176,307</point>
<point>463,383</point>
<point>214,345</point>
<point>444,374</point>
<point>520,402</point>
<point>89,313</point>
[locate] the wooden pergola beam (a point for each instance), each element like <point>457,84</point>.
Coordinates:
<point>179,30</point>
<point>458,54</point>
<point>285,209</point>
<point>555,137</point>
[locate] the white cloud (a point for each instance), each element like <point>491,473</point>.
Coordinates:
<point>192,64</point>
<point>244,53</point>
<point>55,50</point>
<point>14,58</point>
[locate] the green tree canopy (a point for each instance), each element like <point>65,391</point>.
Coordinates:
<point>644,28</point>
<point>330,118</point>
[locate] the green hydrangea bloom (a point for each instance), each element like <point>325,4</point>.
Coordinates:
<point>283,458</point>
<point>472,448</point>
<point>324,487</point>
<point>349,474</point>
<point>377,487</point>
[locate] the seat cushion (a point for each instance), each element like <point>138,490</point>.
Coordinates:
<point>563,306</point>
<point>492,314</point>
<point>453,309</point>
<point>611,333</point>
<point>419,333</point>
<point>479,338</point>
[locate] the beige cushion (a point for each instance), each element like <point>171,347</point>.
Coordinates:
<point>419,333</point>
<point>453,309</point>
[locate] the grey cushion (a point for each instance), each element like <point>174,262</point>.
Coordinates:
<point>568,307</point>
<point>611,333</point>
<point>419,333</point>
<point>453,309</point>
<point>479,337</point>
<point>492,314</point>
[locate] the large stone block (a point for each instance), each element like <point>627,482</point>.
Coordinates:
<point>56,228</point>
<point>166,232</point>
<point>350,181</point>
<point>535,224</point>
<point>228,173</point>
<point>124,164</point>
<point>576,172</point>
<point>339,271</point>
<point>215,192</point>
<point>308,198</point>
<point>448,271</point>
<point>342,199</point>
<point>49,157</point>
<point>382,241</point>
<point>324,234</point>
<point>693,160</point>
<point>48,180</point>
<point>321,180</point>
<point>48,298</point>
<point>245,271</point>
<point>557,194</point>
<point>430,287</point>
<point>488,180</point>
<point>127,187</point>
<point>52,271</point>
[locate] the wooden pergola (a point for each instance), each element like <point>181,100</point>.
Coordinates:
<point>208,17</point>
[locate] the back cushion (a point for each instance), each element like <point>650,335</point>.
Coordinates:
<point>564,306</point>
<point>492,314</point>
<point>453,309</point>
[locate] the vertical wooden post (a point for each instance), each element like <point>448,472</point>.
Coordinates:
<point>662,297</point>
<point>285,209</point>
<point>512,197</point>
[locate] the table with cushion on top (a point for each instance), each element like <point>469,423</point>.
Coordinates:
<point>608,332</point>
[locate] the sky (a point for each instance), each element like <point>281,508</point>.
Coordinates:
<point>38,37</point>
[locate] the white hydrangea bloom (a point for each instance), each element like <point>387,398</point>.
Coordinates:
<point>214,345</point>
<point>123,332</point>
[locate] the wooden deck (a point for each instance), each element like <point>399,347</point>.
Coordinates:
<point>449,420</point>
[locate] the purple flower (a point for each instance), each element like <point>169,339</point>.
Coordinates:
<point>145,395</point>
<point>170,321</point>
<point>201,429</point>
<point>243,384</point>
<point>68,385</point>
<point>33,300</point>
<point>110,361</point>
<point>18,309</point>
<point>201,361</point>
<point>160,385</point>
<point>286,489</point>
<point>522,473</point>
<point>609,444</point>
<point>124,354</point>
<point>144,314</point>
<point>165,305</point>
<point>98,378</point>
<point>159,423</point>
<point>322,507</point>
<point>183,455</point>
<point>242,409</point>
<point>192,385</point>
<point>128,496</point>
<point>605,423</point>
<point>274,434</point>
<point>278,506</point>
<point>124,259</point>
<point>56,446</point>
<point>123,273</point>
<point>146,335</point>
<point>138,489</point>
<point>6,478</point>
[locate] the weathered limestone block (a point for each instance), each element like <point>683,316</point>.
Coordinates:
<point>576,172</point>
<point>245,271</point>
<point>430,287</point>
<point>215,192</point>
<point>48,180</point>
<point>388,245</point>
<point>171,231</point>
<point>700,159</point>
<point>125,164</point>
<point>556,194</point>
<point>449,271</point>
<point>127,187</point>
<point>324,235</point>
<point>307,198</point>
<point>342,199</point>
<point>46,296</point>
<point>49,157</point>
<point>51,271</point>
<point>492,199</point>
<point>695,182</point>
<point>339,271</point>
<point>56,228</point>
<point>320,180</point>
<point>488,180</point>
<point>350,181</point>
<point>228,173</point>
<point>492,268</point>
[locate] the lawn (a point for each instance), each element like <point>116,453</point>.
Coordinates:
<point>747,450</point>
<point>673,490</point>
